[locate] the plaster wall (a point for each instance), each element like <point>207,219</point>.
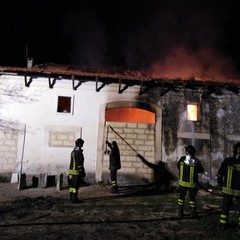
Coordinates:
<point>41,139</point>
<point>213,134</point>
<point>46,137</point>
<point>139,138</point>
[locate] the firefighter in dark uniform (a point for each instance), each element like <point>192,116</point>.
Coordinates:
<point>189,168</point>
<point>76,170</point>
<point>161,176</point>
<point>114,164</point>
<point>229,179</point>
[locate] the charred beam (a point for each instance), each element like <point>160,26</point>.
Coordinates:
<point>190,85</point>
<point>28,82</point>
<point>51,82</point>
<point>207,91</point>
<point>233,89</point>
<point>163,91</point>
<point>120,89</point>
<point>143,88</point>
<point>166,87</point>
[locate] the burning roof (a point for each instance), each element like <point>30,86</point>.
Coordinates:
<point>128,78</point>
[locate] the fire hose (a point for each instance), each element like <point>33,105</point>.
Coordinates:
<point>123,139</point>
<point>207,190</point>
<point>106,139</point>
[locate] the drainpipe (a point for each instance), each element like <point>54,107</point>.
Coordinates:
<point>22,179</point>
<point>210,160</point>
<point>24,137</point>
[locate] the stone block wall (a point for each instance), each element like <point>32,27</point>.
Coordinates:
<point>141,138</point>
<point>61,139</point>
<point>8,150</point>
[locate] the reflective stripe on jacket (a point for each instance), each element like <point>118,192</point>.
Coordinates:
<point>77,160</point>
<point>231,181</point>
<point>73,170</point>
<point>188,173</point>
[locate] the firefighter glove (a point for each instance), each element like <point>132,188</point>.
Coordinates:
<point>219,181</point>
<point>82,172</point>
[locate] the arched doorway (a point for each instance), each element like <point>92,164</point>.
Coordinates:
<point>139,124</point>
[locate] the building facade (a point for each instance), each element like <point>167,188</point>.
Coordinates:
<point>40,120</point>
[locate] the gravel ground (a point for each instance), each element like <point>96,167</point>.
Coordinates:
<point>137,212</point>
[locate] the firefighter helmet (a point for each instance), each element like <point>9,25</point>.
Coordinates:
<point>190,150</point>
<point>79,141</point>
<point>236,149</point>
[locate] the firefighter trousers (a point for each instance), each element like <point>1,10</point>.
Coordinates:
<point>227,203</point>
<point>192,196</point>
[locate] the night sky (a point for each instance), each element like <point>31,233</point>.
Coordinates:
<point>141,35</point>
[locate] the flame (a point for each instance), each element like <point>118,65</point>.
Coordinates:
<point>204,64</point>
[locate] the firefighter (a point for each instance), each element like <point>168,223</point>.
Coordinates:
<point>76,170</point>
<point>189,168</point>
<point>161,176</point>
<point>229,178</point>
<point>114,164</point>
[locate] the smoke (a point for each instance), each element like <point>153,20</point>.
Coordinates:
<point>85,34</point>
<point>182,41</point>
<point>164,39</point>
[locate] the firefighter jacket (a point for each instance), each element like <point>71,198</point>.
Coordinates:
<point>77,160</point>
<point>161,174</point>
<point>188,171</point>
<point>229,176</point>
<point>114,159</point>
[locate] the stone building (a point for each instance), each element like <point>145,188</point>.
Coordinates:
<point>45,108</point>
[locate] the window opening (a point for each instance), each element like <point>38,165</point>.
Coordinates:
<point>64,104</point>
<point>192,112</point>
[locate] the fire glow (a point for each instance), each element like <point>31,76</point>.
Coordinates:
<point>192,112</point>
<point>133,115</point>
<point>204,64</point>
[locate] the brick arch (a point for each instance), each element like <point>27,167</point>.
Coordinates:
<point>130,114</point>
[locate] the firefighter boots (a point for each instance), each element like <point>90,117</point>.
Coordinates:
<point>71,197</point>
<point>194,213</point>
<point>114,189</point>
<point>180,211</point>
<point>75,198</point>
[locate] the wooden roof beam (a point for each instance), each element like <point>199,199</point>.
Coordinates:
<point>74,85</point>
<point>121,89</point>
<point>27,82</point>
<point>143,88</point>
<point>51,82</point>
<point>98,88</point>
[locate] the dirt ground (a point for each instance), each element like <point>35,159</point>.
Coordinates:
<point>137,212</point>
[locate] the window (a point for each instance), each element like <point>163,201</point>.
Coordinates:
<point>64,104</point>
<point>192,112</point>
